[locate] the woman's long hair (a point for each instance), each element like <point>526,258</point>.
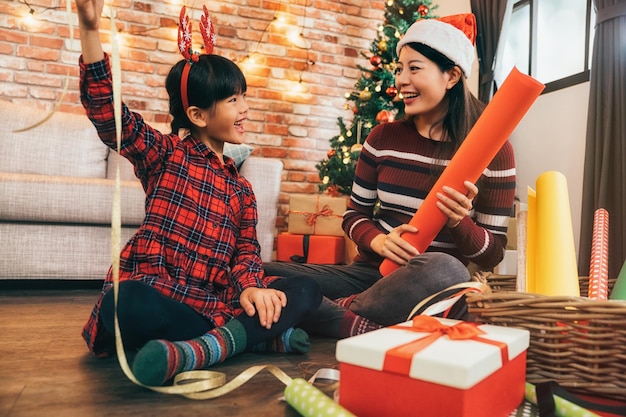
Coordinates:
<point>211,79</point>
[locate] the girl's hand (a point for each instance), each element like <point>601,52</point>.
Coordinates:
<point>89,12</point>
<point>456,205</point>
<point>266,301</point>
<point>392,245</point>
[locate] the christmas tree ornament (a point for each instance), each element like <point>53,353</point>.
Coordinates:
<point>376,60</point>
<point>391,91</point>
<point>365,95</point>
<point>382,45</point>
<point>385,116</point>
<point>356,147</point>
<point>423,10</point>
<point>331,153</point>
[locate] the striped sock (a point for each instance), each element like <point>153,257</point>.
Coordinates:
<point>160,360</point>
<point>345,301</point>
<point>290,341</point>
<point>352,325</point>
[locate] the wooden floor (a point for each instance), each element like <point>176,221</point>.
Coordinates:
<point>46,369</point>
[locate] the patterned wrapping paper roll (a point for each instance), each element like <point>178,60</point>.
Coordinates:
<point>311,402</point>
<point>491,131</point>
<point>599,267</point>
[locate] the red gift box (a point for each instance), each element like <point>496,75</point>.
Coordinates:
<point>310,249</point>
<point>432,368</point>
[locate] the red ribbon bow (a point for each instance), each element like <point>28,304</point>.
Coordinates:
<point>311,218</point>
<point>399,359</point>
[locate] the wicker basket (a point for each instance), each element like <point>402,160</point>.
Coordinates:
<point>577,342</point>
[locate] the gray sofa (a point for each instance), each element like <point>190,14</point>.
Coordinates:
<point>56,191</point>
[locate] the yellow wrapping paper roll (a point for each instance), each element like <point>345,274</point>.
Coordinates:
<point>531,240</point>
<point>556,270</point>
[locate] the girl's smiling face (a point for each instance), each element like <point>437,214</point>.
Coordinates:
<point>225,120</point>
<point>423,85</point>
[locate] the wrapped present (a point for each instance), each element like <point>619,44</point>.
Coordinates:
<point>310,249</point>
<point>316,215</point>
<point>433,367</point>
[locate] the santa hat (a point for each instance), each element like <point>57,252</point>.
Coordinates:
<point>453,36</point>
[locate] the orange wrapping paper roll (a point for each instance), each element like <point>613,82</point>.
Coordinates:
<point>489,134</point>
<point>599,267</point>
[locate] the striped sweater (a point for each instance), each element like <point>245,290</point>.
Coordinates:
<point>396,168</point>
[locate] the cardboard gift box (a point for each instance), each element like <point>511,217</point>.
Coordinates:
<point>310,249</point>
<point>422,368</point>
<point>316,215</point>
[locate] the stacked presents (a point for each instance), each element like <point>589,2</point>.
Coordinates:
<point>314,234</point>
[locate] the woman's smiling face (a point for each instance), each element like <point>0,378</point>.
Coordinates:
<point>422,84</point>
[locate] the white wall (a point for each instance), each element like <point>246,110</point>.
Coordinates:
<point>551,137</point>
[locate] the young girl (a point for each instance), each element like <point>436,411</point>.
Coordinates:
<point>399,164</point>
<point>192,288</point>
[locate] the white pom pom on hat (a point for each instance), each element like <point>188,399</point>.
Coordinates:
<point>453,36</point>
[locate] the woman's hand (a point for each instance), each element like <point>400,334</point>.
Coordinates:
<point>392,245</point>
<point>456,205</point>
<point>266,301</point>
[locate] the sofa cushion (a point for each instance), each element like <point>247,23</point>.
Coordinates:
<point>56,251</point>
<point>65,145</point>
<point>55,199</point>
<point>239,153</point>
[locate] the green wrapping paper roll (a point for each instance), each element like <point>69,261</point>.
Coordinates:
<point>564,408</point>
<point>619,289</point>
<point>310,402</point>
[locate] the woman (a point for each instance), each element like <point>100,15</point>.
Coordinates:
<point>399,164</point>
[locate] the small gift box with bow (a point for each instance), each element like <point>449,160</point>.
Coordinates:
<point>431,367</point>
<point>316,215</point>
<point>328,250</point>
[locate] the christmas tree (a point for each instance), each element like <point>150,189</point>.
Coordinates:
<point>374,99</point>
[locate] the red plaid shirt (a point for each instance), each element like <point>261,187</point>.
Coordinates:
<point>197,243</point>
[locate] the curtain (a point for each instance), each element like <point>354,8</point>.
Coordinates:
<point>489,20</point>
<point>604,180</point>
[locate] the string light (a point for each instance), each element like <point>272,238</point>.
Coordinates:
<point>29,18</point>
<point>250,62</point>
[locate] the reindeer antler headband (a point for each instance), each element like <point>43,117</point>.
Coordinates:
<point>184,45</point>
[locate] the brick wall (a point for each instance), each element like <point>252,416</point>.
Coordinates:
<point>36,58</point>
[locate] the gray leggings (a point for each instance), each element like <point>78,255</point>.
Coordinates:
<point>386,300</point>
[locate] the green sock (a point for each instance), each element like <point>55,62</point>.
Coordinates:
<point>160,360</point>
<point>290,341</point>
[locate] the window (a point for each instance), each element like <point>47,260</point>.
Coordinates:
<point>550,40</point>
